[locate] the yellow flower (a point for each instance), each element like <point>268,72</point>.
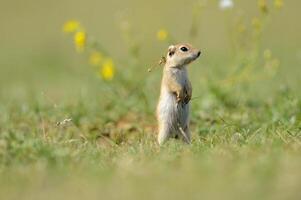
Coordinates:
<point>80,40</point>
<point>71,26</point>
<point>95,58</point>
<point>278,4</point>
<point>263,6</point>
<point>162,34</point>
<point>107,70</point>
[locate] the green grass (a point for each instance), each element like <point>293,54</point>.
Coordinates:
<point>244,146</point>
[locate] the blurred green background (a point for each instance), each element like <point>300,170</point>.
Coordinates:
<point>35,52</point>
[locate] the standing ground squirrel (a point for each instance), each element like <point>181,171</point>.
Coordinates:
<point>176,91</point>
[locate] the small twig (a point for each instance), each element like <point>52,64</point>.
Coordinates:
<point>162,61</point>
<point>195,98</point>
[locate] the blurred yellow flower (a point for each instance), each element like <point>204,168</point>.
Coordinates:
<point>71,26</point>
<point>80,40</point>
<point>162,34</point>
<point>278,3</point>
<point>107,70</point>
<point>95,58</point>
<point>263,6</point>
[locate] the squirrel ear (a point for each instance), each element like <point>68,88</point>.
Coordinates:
<point>171,50</point>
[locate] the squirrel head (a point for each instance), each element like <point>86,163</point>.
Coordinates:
<point>181,54</point>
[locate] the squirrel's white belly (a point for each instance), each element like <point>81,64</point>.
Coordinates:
<point>171,113</point>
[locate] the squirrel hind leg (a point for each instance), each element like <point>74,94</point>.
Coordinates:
<point>164,133</point>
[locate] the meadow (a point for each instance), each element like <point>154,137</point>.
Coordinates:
<point>77,103</point>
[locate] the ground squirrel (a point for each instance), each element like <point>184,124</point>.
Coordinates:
<point>176,91</point>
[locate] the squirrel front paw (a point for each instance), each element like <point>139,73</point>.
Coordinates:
<point>178,99</point>
<point>187,98</point>
<point>188,94</point>
<point>179,96</point>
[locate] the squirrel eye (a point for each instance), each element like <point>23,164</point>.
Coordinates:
<point>184,49</point>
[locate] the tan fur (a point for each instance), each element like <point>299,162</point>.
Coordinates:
<point>176,91</point>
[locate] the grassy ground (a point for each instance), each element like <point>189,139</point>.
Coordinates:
<point>243,147</point>
<point>246,139</point>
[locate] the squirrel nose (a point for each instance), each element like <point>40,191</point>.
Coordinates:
<point>199,53</point>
